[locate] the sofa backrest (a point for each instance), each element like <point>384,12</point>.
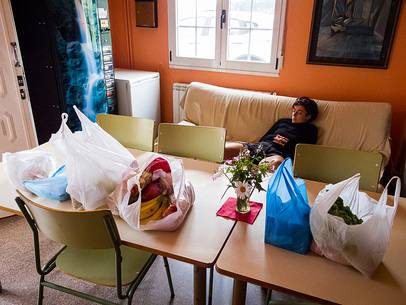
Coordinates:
<point>248,115</point>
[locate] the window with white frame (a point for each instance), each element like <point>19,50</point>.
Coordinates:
<point>227,35</point>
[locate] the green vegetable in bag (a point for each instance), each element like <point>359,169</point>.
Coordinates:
<point>338,209</point>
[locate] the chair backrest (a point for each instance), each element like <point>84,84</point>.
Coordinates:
<point>130,131</point>
<point>78,229</point>
<point>331,164</point>
<point>198,142</point>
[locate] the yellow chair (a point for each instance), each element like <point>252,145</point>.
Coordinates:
<point>130,131</point>
<point>92,251</point>
<point>198,142</point>
<point>331,165</point>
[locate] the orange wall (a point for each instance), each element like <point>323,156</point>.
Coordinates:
<point>147,49</point>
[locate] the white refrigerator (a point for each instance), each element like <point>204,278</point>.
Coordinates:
<point>138,94</point>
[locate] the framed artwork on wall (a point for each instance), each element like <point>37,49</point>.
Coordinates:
<point>353,32</point>
<point>146,13</point>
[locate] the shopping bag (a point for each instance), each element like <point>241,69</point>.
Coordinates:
<point>95,161</point>
<point>363,245</point>
<point>92,133</point>
<point>287,211</point>
<point>161,199</point>
<point>27,165</point>
<point>53,187</point>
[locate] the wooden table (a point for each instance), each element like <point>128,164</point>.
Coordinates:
<point>247,258</point>
<point>198,241</point>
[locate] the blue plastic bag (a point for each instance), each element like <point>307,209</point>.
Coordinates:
<point>53,187</point>
<point>287,211</point>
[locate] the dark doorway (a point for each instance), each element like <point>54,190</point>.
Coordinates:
<point>38,50</point>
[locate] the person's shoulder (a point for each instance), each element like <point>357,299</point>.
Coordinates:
<point>311,128</point>
<point>284,121</point>
<point>280,122</point>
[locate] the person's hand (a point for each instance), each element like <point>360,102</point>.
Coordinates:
<point>274,162</point>
<point>270,161</point>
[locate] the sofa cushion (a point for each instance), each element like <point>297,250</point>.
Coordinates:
<point>248,115</point>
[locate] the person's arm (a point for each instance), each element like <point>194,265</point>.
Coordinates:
<point>274,162</point>
<point>309,136</point>
<point>274,127</point>
<point>232,149</point>
<point>313,135</point>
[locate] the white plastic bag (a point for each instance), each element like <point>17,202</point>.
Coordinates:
<point>362,246</point>
<point>27,165</point>
<point>183,196</point>
<point>94,134</point>
<point>95,161</point>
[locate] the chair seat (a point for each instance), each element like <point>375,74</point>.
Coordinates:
<point>98,265</point>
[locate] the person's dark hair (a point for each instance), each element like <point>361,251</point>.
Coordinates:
<point>310,106</point>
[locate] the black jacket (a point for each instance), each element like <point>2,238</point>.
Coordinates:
<point>283,136</point>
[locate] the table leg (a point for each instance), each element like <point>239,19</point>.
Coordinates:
<point>239,292</point>
<point>199,285</point>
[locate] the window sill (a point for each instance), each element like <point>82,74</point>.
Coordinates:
<point>234,71</point>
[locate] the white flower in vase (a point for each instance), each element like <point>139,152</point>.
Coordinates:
<point>242,189</point>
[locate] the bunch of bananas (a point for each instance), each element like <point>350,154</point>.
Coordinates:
<point>155,195</point>
<point>153,209</point>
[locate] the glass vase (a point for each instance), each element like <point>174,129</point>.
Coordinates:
<point>243,205</point>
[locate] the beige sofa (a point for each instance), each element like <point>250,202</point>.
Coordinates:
<point>248,115</point>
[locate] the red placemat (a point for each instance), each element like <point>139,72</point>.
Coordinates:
<point>227,210</point>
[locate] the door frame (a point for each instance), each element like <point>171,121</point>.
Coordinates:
<point>24,105</point>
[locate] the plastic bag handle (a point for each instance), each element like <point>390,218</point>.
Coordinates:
<point>292,186</point>
<point>84,120</point>
<point>384,196</point>
<point>182,181</point>
<point>137,203</point>
<point>80,114</point>
<point>64,125</point>
<point>340,186</point>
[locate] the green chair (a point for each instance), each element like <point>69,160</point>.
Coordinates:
<point>331,164</point>
<point>130,131</point>
<point>93,251</point>
<point>198,142</point>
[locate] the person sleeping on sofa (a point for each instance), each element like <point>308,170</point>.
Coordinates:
<point>280,141</point>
